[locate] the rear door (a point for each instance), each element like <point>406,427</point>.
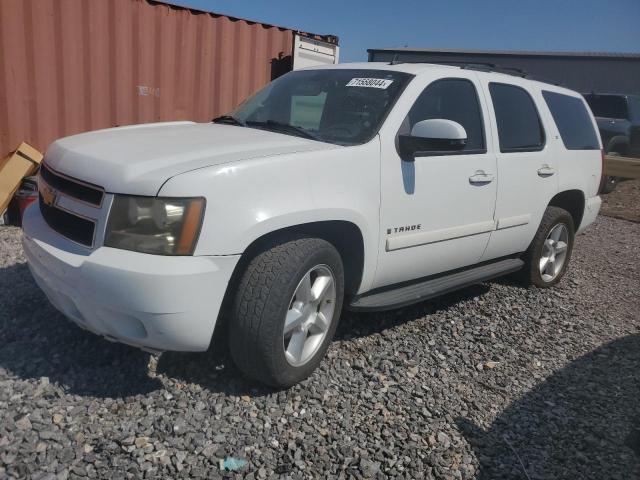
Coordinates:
<point>527,165</point>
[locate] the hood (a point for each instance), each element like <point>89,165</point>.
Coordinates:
<point>139,159</point>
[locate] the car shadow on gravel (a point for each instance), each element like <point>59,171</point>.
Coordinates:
<point>581,422</point>
<point>37,342</point>
<point>354,325</point>
<point>215,371</point>
<point>212,370</point>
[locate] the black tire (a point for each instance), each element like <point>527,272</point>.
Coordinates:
<point>609,185</point>
<point>530,274</point>
<point>261,304</point>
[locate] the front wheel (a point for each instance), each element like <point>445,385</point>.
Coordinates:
<point>286,311</point>
<point>547,258</point>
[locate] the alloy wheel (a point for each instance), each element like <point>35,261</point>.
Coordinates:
<point>311,311</point>
<point>554,252</point>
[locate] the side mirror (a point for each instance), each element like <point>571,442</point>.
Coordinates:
<point>433,136</point>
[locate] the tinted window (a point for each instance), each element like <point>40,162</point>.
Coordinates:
<point>452,99</point>
<point>573,121</point>
<point>519,127</point>
<point>608,106</point>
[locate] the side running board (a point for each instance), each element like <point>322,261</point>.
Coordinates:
<point>403,295</point>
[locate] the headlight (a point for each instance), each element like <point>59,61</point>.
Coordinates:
<point>162,226</point>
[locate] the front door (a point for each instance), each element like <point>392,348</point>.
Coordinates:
<point>437,209</point>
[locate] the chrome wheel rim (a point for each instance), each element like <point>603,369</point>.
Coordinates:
<point>554,252</point>
<point>309,316</point>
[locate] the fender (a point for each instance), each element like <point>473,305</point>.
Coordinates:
<point>251,198</point>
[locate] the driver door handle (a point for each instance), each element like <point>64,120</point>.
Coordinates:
<point>480,178</point>
<point>545,171</point>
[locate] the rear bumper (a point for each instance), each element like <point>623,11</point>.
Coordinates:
<point>591,209</point>
<point>148,301</point>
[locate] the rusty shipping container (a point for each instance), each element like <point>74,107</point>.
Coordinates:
<point>69,66</point>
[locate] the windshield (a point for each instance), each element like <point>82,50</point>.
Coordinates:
<point>344,107</point>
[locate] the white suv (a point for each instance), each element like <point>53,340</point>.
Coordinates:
<point>369,186</point>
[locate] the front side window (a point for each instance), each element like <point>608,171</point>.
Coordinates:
<point>451,99</point>
<point>519,126</point>
<point>573,121</point>
<point>339,106</point>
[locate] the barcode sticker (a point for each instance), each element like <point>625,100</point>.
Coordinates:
<point>369,82</point>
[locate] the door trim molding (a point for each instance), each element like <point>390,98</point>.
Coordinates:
<point>423,238</point>
<point>508,222</point>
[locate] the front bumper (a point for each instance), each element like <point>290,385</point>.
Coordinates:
<point>148,301</point>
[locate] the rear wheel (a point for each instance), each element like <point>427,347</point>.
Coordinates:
<point>286,311</point>
<point>547,258</point>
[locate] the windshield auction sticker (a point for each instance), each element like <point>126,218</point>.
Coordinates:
<point>369,82</point>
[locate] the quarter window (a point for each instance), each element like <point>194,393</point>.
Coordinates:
<point>452,99</point>
<point>573,121</point>
<point>519,126</point>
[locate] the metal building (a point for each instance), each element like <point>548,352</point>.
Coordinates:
<point>581,71</point>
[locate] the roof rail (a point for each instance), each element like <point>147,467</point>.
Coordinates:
<point>484,67</point>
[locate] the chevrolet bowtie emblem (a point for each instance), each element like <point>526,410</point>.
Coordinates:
<point>48,194</point>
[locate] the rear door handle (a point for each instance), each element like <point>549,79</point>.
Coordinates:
<point>480,178</point>
<point>545,171</point>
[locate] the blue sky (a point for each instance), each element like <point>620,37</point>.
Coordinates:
<point>567,25</point>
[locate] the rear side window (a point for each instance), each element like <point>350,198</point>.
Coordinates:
<point>452,99</point>
<point>573,121</point>
<point>519,126</point>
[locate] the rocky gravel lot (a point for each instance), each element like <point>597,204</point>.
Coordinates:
<point>623,202</point>
<point>492,382</point>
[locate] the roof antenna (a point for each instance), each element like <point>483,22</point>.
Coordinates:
<point>395,61</point>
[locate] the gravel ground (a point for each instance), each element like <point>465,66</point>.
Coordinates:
<point>624,201</point>
<point>493,382</point>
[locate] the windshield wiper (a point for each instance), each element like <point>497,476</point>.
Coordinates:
<point>229,120</point>
<point>283,127</point>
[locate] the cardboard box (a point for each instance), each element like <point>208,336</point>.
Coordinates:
<point>22,163</point>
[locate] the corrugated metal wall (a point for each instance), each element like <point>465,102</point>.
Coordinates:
<point>68,66</point>
<point>583,72</point>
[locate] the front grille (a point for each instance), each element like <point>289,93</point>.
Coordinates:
<point>75,228</point>
<point>82,191</point>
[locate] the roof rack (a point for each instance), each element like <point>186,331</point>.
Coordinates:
<point>485,67</point>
